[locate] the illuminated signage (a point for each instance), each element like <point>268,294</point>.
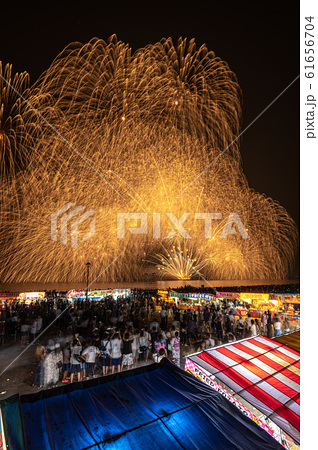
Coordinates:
<point>291,298</point>
<point>253,296</point>
<point>227,295</point>
<point>31,296</point>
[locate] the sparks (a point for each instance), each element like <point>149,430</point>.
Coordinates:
<point>86,154</point>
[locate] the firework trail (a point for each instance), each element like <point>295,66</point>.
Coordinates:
<point>180,261</point>
<point>149,123</point>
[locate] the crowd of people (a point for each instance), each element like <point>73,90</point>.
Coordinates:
<point>84,340</point>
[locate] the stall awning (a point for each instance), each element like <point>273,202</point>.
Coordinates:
<point>291,339</point>
<point>264,372</point>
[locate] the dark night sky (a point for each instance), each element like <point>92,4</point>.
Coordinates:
<point>260,42</point>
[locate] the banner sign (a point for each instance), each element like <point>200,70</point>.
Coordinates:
<point>204,376</point>
<point>254,296</point>
<point>204,296</point>
<point>4,295</point>
<point>291,316</point>
<point>275,297</point>
<point>81,293</point>
<point>120,291</point>
<point>232,295</point>
<point>100,293</point>
<point>291,298</point>
<point>76,293</point>
<point>31,296</point>
<point>192,295</point>
<point>178,294</point>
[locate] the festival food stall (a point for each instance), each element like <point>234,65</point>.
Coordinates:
<point>80,294</point>
<point>261,377</point>
<point>229,297</point>
<point>191,300</point>
<point>256,304</point>
<point>30,297</point>
<point>7,298</point>
<point>76,294</point>
<point>289,308</point>
<point>180,299</point>
<point>163,295</point>
<point>199,300</point>
<point>120,293</point>
<point>99,294</point>
<point>286,302</point>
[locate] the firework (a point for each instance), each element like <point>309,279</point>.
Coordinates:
<point>122,132</point>
<point>17,122</point>
<point>180,261</point>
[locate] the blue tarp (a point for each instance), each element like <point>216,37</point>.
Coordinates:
<point>158,406</point>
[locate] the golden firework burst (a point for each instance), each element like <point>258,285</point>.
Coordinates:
<point>116,132</point>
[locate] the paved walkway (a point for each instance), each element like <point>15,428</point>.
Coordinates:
<point>18,377</point>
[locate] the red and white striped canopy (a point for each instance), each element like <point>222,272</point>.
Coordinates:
<point>264,372</point>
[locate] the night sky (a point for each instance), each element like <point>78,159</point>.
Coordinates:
<point>260,42</point>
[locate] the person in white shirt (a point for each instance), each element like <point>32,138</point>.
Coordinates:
<point>76,365</point>
<point>135,346</point>
<point>163,314</point>
<point>116,345</point>
<point>105,353</point>
<point>147,335</point>
<point>90,354</point>
<point>248,321</point>
<point>211,341</point>
<point>25,330</point>
<point>144,342</point>
<point>277,327</point>
<point>155,325</point>
<point>164,334</point>
<point>240,327</point>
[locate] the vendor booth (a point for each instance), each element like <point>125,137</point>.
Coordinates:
<point>256,303</point>
<point>7,298</point>
<point>261,377</point>
<point>163,295</point>
<point>80,294</point>
<point>289,309</point>
<point>99,294</point>
<point>191,300</point>
<point>152,407</point>
<point>76,294</point>
<point>30,297</point>
<point>120,293</point>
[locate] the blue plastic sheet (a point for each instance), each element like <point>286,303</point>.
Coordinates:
<point>12,423</point>
<point>153,407</point>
